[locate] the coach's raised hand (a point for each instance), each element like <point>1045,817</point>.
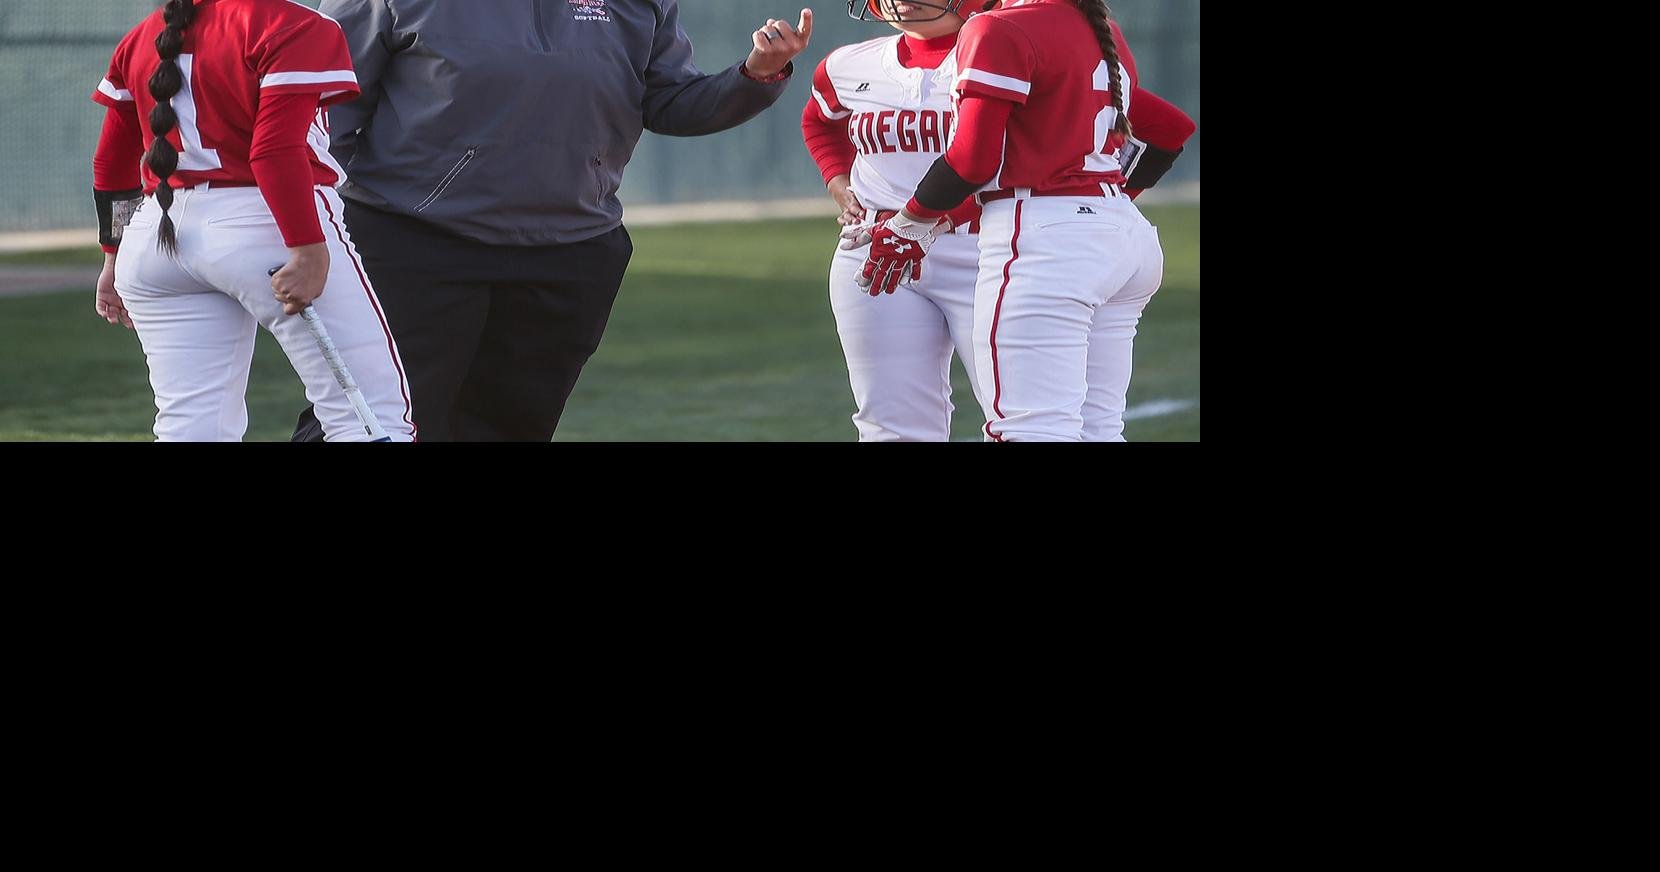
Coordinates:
<point>777,43</point>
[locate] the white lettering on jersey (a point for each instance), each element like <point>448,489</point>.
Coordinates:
<point>1105,158</point>
<point>904,130</point>
<point>194,156</point>
<point>900,119</point>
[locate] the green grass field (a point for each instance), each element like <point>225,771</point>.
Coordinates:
<point>716,337</point>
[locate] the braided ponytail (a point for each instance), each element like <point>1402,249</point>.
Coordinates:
<point>1100,18</point>
<point>168,80</point>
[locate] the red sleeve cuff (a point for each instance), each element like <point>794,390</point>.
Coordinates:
<point>779,76</point>
<point>289,196</point>
<point>833,170</point>
<point>966,214</point>
<point>922,211</point>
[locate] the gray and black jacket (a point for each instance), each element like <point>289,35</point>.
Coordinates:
<point>509,122</point>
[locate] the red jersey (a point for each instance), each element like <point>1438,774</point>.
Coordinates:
<point>235,51</point>
<point>1042,56</point>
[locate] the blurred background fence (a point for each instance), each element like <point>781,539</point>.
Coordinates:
<point>53,52</point>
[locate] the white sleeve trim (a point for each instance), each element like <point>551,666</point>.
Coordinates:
<point>328,77</point>
<point>825,105</point>
<point>994,80</point>
<point>114,93</point>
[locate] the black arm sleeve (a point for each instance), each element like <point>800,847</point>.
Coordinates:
<point>115,208</point>
<point>1149,165</point>
<point>942,189</point>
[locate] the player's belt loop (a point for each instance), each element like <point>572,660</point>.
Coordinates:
<point>1023,193</point>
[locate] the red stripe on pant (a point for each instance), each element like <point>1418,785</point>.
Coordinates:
<point>997,315</point>
<point>391,347</point>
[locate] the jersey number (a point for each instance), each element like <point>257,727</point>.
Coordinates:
<point>1102,160</point>
<point>195,156</point>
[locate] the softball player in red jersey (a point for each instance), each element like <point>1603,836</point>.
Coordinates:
<point>223,99</point>
<point>1067,262</point>
<point>880,114</point>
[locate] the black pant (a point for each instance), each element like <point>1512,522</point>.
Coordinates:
<point>492,337</point>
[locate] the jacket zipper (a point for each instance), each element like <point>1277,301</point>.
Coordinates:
<point>541,26</point>
<point>450,177</point>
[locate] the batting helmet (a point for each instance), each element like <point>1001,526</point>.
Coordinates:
<point>871,10</point>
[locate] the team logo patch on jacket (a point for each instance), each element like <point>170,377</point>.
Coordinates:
<point>589,10</point>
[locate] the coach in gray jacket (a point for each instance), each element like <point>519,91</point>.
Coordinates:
<point>483,160</point>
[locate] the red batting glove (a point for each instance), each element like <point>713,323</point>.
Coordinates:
<point>897,247</point>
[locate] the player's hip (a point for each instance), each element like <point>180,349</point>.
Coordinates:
<point>1063,228</point>
<point>950,254</point>
<point>949,274</point>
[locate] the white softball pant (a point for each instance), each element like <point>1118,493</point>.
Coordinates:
<point>899,345</point>
<point>196,317</point>
<point>1062,284</point>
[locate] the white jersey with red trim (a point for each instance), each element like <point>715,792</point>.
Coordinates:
<point>1042,56</point>
<point>899,119</point>
<point>235,51</point>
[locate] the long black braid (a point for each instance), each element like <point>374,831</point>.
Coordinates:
<point>1100,18</point>
<point>168,80</point>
